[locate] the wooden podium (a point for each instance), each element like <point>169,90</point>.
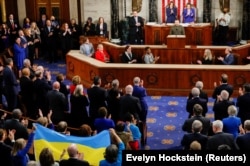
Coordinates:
<point>176,41</point>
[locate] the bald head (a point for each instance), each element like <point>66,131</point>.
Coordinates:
<point>72,150</point>
<point>129,89</point>
<point>56,85</point>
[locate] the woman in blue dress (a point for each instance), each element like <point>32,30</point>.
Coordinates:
<point>19,54</point>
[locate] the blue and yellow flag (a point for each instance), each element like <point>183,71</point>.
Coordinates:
<point>92,148</point>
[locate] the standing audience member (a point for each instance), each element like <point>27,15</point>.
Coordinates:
<point>76,80</point>
<point>66,39</point>
<point>229,58</point>
<point>78,105</point>
<point>31,45</point>
<point>223,86</point>
<point>14,27</point>
<point>243,140</point>
<point>149,58</point>
<point>232,124</point>
<point>87,48</point>
<point>220,108</point>
<point>89,28</point>
<point>76,32</point>
<point>223,21</point>
<point>46,158</point>
<point>203,94</point>
<point>5,150</point>
<point>42,26</point>
<point>5,37</point>
<point>97,98</point>
<point>101,28</point>
<point>19,55</point>
<point>26,23</point>
<point>243,103</point>
<point>50,40</point>
<point>63,87</point>
<point>196,135</point>
<point>101,54</point>
<point>207,58</point>
<point>171,12</point>
<point>136,24</point>
<point>113,153</point>
<point>127,56</point>
<point>10,85</point>
<point>103,122</point>
<point>197,115</point>
<point>36,35</point>
<point>75,158</point>
<point>220,138</point>
<point>189,14</point>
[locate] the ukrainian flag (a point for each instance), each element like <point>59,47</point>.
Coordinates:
<point>92,148</point>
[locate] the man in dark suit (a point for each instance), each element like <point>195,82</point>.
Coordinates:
<point>220,138</point>
<point>203,94</point>
<point>130,104</point>
<point>197,111</point>
<point>220,107</point>
<point>196,100</point>
<point>194,136</point>
<point>243,103</point>
<point>243,140</point>
<point>223,86</point>
<point>136,24</point>
<point>5,150</point>
<point>10,85</point>
<point>229,58</point>
<point>10,124</point>
<point>177,29</point>
<point>57,103</point>
<point>97,98</point>
<point>50,41</point>
<point>75,158</point>
<point>14,26</point>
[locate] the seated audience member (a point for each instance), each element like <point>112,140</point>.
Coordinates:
<point>62,128</point>
<point>20,150</point>
<point>75,158</point>
<point>177,29</point>
<point>149,58</point>
<point>89,28</point>
<point>5,150</point>
<point>207,58</point>
<point>101,54</point>
<point>196,135</point>
<point>126,136</point>
<point>203,94</point>
<point>75,81</point>
<point>127,56</point>
<point>46,158</point>
<point>14,123</point>
<point>243,140</point>
<point>220,108</point>
<point>197,115</point>
<point>101,28</point>
<point>103,123</point>
<point>223,86</point>
<point>131,125</point>
<point>229,57</point>
<point>87,48</point>
<point>195,145</point>
<point>220,138</point>
<point>232,124</point>
<point>243,102</point>
<point>113,153</point>
<point>86,131</point>
<point>196,99</point>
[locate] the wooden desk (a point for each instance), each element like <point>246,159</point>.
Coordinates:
<point>95,40</point>
<point>176,41</point>
<point>159,79</point>
<point>197,34</point>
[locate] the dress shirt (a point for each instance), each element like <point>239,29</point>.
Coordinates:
<point>226,17</point>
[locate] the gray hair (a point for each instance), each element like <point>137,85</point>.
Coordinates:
<point>224,95</point>
<point>129,89</point>
<point>232,110</point>
<point>247,125</point>
<point>199,84</point>
<point>196,126</point>
<point>195,92</point>
<point>218,124</point>
<point>136,80</point>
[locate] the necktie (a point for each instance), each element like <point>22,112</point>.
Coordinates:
<point>130,56</point>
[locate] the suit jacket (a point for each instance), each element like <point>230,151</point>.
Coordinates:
<point>218,89</point>
<point>21,131</point>
<point>89,30</point>
<point>221,138</point>
<point>141,93</point>
<point>73,162</point>
<point>244,109</point>
<point>220,109</point>
<point>206,124</point>
<point>105,29</point>
<point>131,104</point>
<point>188,18</point>
<point>190,137</point>
<point>171,16</point>
<point>243,141</point>
<point>177,30</point>
<point>133,29</point>
<point>192,102</point>
<point>5,153</point>
<point>202,95</point>
<point>228,59</point>
<point>126,59</point>
<point>97,98</point>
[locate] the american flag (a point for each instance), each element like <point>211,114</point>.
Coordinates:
<point>180,4</point>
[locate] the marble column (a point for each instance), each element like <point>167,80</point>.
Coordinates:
<point>207,11</point>
<point>114,18</point>
<point>246,20</point>
<point>153,17</point>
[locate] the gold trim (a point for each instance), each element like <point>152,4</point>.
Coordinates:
<point>3,8</point>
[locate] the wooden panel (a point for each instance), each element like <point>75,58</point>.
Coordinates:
<point>159,79</point>
<point>31,9</point>
<point>11,8</point>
